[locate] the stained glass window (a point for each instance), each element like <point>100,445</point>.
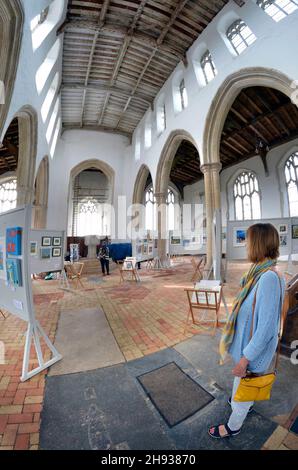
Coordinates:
<point>8,195</point>
<point>240,36</point>
<point>247,197</point>
<point>291,174</point>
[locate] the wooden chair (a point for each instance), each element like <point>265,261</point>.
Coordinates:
<point>74,273</point>
<point>206,296</point>
<point>198,269</point>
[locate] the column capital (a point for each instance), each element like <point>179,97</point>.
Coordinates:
<point>160,197</point>
<point>209,167</point>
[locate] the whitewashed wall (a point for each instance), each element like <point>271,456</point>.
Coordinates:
<point>25,91</point>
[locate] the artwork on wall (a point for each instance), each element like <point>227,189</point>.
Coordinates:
<point>295,231</point>
<point>2,259</point>
<point>145,249</point>
<point>150,249</point>
<point>283,240</point>
<point>175,240</point>
<point>282,228</point>
<point>46,241</point>
<point>156,243</point>
<point>33,248</point>
<point>45,253</point>
<point>14,241</point>
<point>186,242</point>
<point>239,238</point>
<point>14,272</point>
<point>56,252</point>
<point>56,241</point>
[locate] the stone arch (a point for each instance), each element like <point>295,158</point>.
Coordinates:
<point>41,195</point>
<point>167,156</point>
<point>11,30</point>
<point>99,165</point>
<point>225,97</point>
<point>140,183</point>
<point>82,166</point>
<point>28,123</point>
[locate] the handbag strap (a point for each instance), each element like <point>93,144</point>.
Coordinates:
<point>281,319</point>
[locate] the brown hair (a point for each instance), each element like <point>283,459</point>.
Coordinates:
<point>262,242</point>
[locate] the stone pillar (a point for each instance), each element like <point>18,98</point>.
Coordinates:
<point>39,216</point>
<point>25,194</point>
<point>161,215</point>
<point>212,201</point>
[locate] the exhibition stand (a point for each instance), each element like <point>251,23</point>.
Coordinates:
<point>24,252</point>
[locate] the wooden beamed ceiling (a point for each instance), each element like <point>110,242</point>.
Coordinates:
<point>9,150</point>
<point>186,166</point>
<point>258,114</point>
<point>118,54</point>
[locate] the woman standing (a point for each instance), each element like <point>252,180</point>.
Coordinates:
<point>252,346</point>
<point>104,255</point>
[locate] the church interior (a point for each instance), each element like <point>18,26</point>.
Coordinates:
<point>139,141</point>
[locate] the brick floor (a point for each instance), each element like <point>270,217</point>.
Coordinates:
<point>144,318</point>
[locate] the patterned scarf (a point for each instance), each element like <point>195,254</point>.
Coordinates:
<point>247,283</point>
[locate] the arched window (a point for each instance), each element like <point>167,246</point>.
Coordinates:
<point>161,118</point>
<point>208,67</point>
<point>278,9</point>
<point>247,196</point>
<point>46,67</point>
<point>46,105</point>
<point>8,195</point>
<point>183,94</point>
<point>240,36</point>
<point>291,174</point>
<point>150,202</point>
<point>45,21</point>
<point>138,146</point>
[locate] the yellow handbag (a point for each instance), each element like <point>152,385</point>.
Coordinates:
<point>256,387</point>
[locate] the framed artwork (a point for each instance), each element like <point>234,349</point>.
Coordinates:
<point>294,231</point>
<point>128,265</point>
<point>239,238</point>
<point>45,253</point>
<point>155,243</point>
<point>14,241</point>
<point>175,240</point>
<point>145,249</point>
<point>283,240</point>
<point>150,249</point>
<point>46,241</point>
<point>282,228</point>
<point>14,272</point>
<point>56,252</point>
<point>56,241</point>
<point>33,248</point>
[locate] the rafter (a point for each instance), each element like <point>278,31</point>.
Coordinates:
<point>75,125</point>
<point>181,4</point>
<point>106,89</point>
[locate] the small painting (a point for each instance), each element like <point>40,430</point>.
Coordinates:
<point>46,241</point>
<point>145,249</point>
<point>283,228</point>
<point>175,240</point>
<point>295,231</point>
<point>56,252</point>
<point>56,241</point>
<point>283,240</point>
<point>45,253</point>
<point>128,265</point>
<point>33,248</point>
<point>240,236</point>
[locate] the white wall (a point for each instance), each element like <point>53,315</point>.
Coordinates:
<point>275,48</point>
<point>25,92</point>
<point>73,148</point>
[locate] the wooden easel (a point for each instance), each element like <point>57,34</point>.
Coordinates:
<point>3,315</point>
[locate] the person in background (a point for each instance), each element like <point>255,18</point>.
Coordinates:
<point>104,255</point>
<point>252,346</point>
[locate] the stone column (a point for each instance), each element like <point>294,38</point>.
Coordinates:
<point>39,216</point>
<point>161,215</point>
<point>212,201</point>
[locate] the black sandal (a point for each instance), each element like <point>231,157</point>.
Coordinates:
<point>216,434</point>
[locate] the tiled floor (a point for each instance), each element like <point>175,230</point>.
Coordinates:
<point>144,317</point>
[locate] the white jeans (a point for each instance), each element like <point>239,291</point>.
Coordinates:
<point>239,409</point>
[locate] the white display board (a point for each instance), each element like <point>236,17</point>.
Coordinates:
<point>236,232</point>
<point>55,262</point>
<point>18,299</point>
<point>217,244</point>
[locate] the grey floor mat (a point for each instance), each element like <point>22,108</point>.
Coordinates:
<point>174,393</point>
